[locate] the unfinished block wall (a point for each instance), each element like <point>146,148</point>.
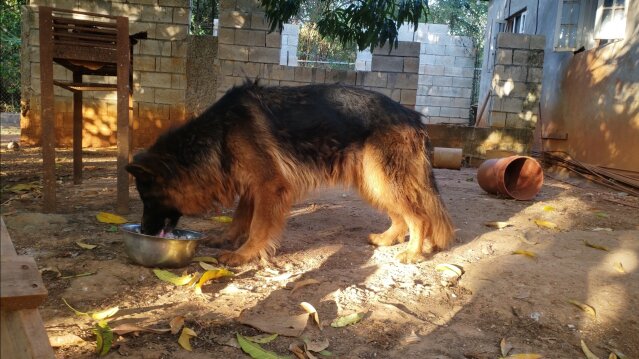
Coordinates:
<point>247,50</point>
<point>516,83</point>
<point>159,74</point>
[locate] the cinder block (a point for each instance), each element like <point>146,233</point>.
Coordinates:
<point>145,94</point>
<point>411,65</point>
<point>372,79</point>
<point>466,82</point>
<point>178,81</point>
<point>267,55</point>
<point>513,41</point>
<point>233,52</point>
<point>282,73</point>
<point>227,5</point>
<point>157,14</point>
<point>535,74</point>
<point>453,71</point>
<point>303,74</point>
<point>274,39</point>
<point>258,21</point>
<point>514,105</point>
<point>171,31</point>
<point>461,103</point>
<point>154,47</point>
<point>403,49</point>
<point>173,64</point>
<point>181,16</point>
<point>520,57</point>
<point>137,26</point>
<point>430,49</point>
<point>242,37</point>
<point>178,48</point>
<point>143,2</point>
<point>435,70</point>
<point>340,76</point>
<point>174,3</point>
<point>497,119</point>
<point>248,5</point>
<point>443,81</point>
<point>464,61</point>
<point>454,50</point>
<point>169,96</point>
<point>536,58</point>
<point>403,81</point>
<point>155,79</point>
<point>318,75</point>
<point>408,97</point>
<point>177,113</point>
<point>144,63</point>
<point>424,80</point>
<point>504,56</point>
<point>537,42</point>
<point>436,100</point>
<point>235,19</point>
<point>427,59</point>
<point>438,28</point>
<point>428,110</point>
<point>387,63</point>
<point>257,38</point>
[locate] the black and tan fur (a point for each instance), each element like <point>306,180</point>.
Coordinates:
<point>270,145</point>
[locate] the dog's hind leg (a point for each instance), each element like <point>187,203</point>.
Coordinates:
<point>271,203</point>
<point>241,223</point>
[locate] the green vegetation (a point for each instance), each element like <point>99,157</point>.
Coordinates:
<point>10,42</point>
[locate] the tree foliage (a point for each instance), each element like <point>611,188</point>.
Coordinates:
<point>366,23</point>
<point>10,41</point>
<point>464,17</point>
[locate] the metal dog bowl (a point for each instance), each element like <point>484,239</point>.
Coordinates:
<point>151,251</point>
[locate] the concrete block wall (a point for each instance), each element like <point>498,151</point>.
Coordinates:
<point>516,82</point>
<point>238,61</point>
<point>446,68</point>
<point>159,74</point>
<point>290,41</point>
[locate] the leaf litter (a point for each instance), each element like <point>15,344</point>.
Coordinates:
<point>255,350</point>
<point>584,307</point>
<point>185,338</point>
<point>310,309</point>
<point>347,320</point>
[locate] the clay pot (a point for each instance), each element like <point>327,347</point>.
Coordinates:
<point>450,158</point>
<point>517,177</point>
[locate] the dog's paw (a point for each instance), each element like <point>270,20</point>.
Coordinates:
<point>383,239</point>
<point>410,257</point>
<point>232,259</point>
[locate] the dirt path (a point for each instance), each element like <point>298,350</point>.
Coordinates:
<point>411,311</point>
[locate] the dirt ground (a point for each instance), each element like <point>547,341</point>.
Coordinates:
<point>412,311</point>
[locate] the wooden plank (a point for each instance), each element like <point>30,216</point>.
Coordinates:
<point>23,335</point>
<point>124,113</point>
<point>47,111</point>
<point>77,131</point>
<point>88,86</point>
<point>6,247</point>
<point>94,14</point>
<point>21,286</point>
<point>86,36</point>
<point>84,29</point>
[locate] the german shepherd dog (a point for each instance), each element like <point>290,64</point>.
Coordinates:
<point>270,145</point>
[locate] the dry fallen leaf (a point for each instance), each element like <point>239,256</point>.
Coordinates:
<point>522,252</point>
<point>111,218</point>
<point>548,208</point>
<point>85,245</point>
<point>498,225</point>
<point>123,329</point>
<point>585,307</point>
<point>310,309</point>
<point>210,275</point>
<point>24,187</point>
<point>525,356</point>
<point>172,278</point>
<point>255,350</point>
<point>304,283</point>
<point>587,352</point>
<point>222,219</point>
<point>596,246</point>
<point>347,320</point>
<point>601,214</point>
<point>316,345</point>
<point>612,356</point>
<point>297,350</point>
<point>185,338</point>
<point>176,324</point>
<point>275,322</point>
<point>505,347</point>
<point>545,224</point>
<point>412,338</point>
<point>56,271</point>
<point>619,267</point>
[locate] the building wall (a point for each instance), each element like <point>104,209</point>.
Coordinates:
<point>159,74</point>
<point>589,103</point>
<point>248,51</point>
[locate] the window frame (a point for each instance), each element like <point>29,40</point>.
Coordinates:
<point>580,25</point>
<point>511,21</point>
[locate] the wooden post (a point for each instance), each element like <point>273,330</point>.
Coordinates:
<point>124,114</point>
<point>77,131</point>
<point>46,110</point>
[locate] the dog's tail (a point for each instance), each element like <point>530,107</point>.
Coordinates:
<point>442,229</point>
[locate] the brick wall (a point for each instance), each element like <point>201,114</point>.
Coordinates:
<point>201,74</point>
<point>247,50</point>
<point>516,83</point>
<point>159,74</point>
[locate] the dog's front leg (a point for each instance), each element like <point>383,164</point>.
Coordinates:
<point>271,204</point>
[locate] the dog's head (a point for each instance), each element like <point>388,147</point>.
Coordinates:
<point>152,179</point>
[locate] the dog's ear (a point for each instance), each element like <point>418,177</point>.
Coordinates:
<point>140,172</point>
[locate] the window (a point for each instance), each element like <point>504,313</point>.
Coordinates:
<point>516,23</point>
<point>611,19</point>
<point>581,22</point>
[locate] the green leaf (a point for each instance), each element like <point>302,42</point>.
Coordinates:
<point>172,278</point>
<point>262,338</point>
<point>347,320</point>
<point>104,338</point>
<point>255,350</point>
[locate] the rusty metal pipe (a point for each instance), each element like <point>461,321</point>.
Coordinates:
<point>517,177</point>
